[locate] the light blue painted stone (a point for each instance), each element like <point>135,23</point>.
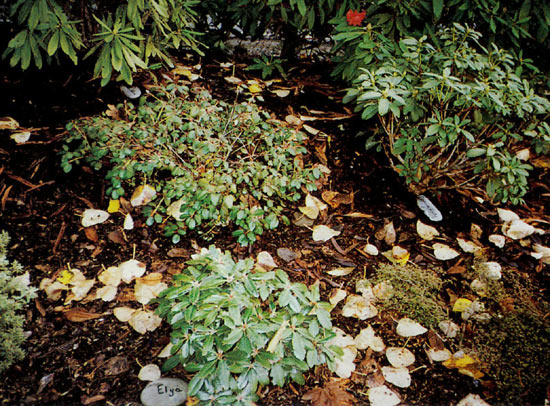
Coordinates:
<point>164,392</point>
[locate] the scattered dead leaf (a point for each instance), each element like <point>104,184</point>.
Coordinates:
<point>117,237</point>
<point>8,123</point>
<point>425,231</point>
<point>333,393</point>
<point>359,215</point>
<point>91,217</point>
<point>117,365</point>
<point>78,315</point>
<point>293,120</point>
<point>335,199</point>
<point>444,252</point>
<point>456,269</point>
<point>142,195</point>
<point>387,233</point>
<point>324,233</point>
<point>91,234</point>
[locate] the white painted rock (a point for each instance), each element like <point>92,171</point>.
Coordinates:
<point>165,392</point>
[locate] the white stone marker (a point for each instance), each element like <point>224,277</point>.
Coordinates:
<point>165,392</point>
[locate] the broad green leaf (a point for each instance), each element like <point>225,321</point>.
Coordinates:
<point>25,55</point>
<point>53,44</point>
<point>437,8</point>
<point>64,42</point>
<point>302,8</point>
<point>234,336</point>
<point>476,152</point>
<point>298,345</point>
<point>383,106</point>
<point>323,317</point>
<point>195,385</point>
<point>278,375</point>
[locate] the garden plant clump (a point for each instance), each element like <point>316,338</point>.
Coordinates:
<point>416,292</point>
<point>237,328</point>
<point>514,343</point>
<point>212,163</point>
<point>452,112</point>
<point>518,26</point>
<point>15,293</point>
<point>123,36</point>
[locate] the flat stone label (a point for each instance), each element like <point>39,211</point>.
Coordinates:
<point>165,392</point>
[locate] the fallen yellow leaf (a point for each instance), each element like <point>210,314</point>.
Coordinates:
<point>66,277</point>
<point>471,372</point>
<point>114,206</point>
<point>254,88</point>
<point>465,361</point>
<point>461,305</point>
<point>180,70</point>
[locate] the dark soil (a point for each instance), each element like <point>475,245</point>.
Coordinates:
<point>97,361</point>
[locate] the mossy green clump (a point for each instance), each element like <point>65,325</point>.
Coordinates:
<point>416,292</point>
<point>15,293</point>
<point>515,343</point>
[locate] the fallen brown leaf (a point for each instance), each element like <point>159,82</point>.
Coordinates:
<point>126,205</point>
<point>435,341</point>
<point>359,215</point>
<point>387,233</point>
<point>177,253</point>
<point>335,199</point>
<point>456,269</point>
<point>5,196</point>
<point>40,307</point>
<point>85,400</point>
<point>333,393</point>
<point>117,365</point>
<point>91,234</point>
<point>79,315</point>
<point>116,237</point>
<point>320,151</point>
<point>151,279</point>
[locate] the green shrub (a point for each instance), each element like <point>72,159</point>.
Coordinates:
<point>520,25</point>
<point>268,66</point>
<point>452,112</point>
<point>237,328</point>
<point>124,35</point>
<point>416,292</point>
<point>213,163</point>
<point>15,293</point>
<point>292,20</point>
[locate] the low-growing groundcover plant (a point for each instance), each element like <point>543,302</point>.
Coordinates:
<point>15,293</point>
<point>237,328</point>
<point>416,292</point>
<point>211,163</point>
<point>452,112</point>
<point>514,343</point>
